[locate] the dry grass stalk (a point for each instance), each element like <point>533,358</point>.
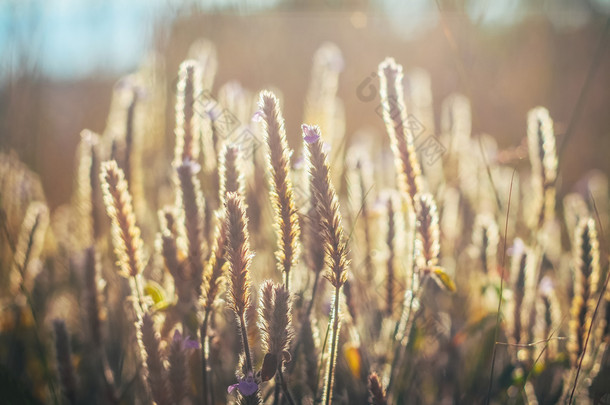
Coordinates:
<point>376,390</point>
<point>401,137</point>
<point>275,320</point>
<point>362,215</point>
<point>390,240</point>
<point>153,361</point>
<point>63,354</point>
<point>321,102</point>
<point>215,266</point>
<point>543,158</point>
<point>282,196</point>
<point>520,271</point>
<point>174,258</point>
<point>276,333</point>
<point>29,247</point>
<point>427,244</point>
<point>91,298</point>
<point>178,372</point>
<point>212,284</point>
<point>586,268</point>
<point>188,125</point>
<point>125,233</point>
<point>314,252</point>
<point>192,205</point>
<point>237,251</point>
<point>548,318</point>
<point>231,180</point>
<point>130,134</point>
<point>486,238</point>
<point>334,241</point>
<point>327,205</point>
<point>86,175</point>
<point>239,257</point>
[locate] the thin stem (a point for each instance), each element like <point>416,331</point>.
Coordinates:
<point>110,385</point>
<point>313,294</point>
<point>244,336</point>
<point>403,341</point>
<point>39,345</point>
<point>287,394</point>
<point>330,375</point>
<point>322,359</point>
<point>597,305</point>
<point>499,313</point>
<point>276,391</point>
<point>139,293</point>
<point>297,346</point>
<point>204,361</point>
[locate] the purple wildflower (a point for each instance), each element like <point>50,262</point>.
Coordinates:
<point>187,342</point>
<point>310,135</point>
<point>246,386</point>
<point>258,116</point>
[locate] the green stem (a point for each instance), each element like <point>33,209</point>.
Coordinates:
<point>403,340</point>
<point>330,373</point>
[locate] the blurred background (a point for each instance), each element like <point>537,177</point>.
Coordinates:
<point>59,61</point>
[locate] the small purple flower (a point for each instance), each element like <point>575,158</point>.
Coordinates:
<point>258,116</point>
<point>246,386</point>
<point>187,342</point>
<point>310,133</point>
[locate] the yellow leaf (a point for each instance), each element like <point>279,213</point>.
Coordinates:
<point>352,356</point>
<point>154,291</point>
<point>443,279</point>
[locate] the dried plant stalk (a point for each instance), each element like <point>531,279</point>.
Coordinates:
<point>188,121</point>
<point>390,240</point>
<point>238,253</point>
<point>178,372</point>
<point>586,267</point>
<point>213,280</point>
<point>334,241</point>
<point>231,180</point>
<point>63,353</point>
<point>376,390</point>
<point>427,245</point>
<point>276,333</point>
<point>239,257</point>
<point>401,137</point>
<point>215,266</point>
<point>282,196</point>
<point>152,361</point>
<point>28,248</point>
<point>548,318</point>
<point>328,208</point>
<point>91,298</point>
<point>125,233</point>
<point>543,158</point>
<point>192,205</point>
<point>83,199</point>
<point>486,238</point>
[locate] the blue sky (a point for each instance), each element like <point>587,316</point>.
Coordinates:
<point>71,39</point>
